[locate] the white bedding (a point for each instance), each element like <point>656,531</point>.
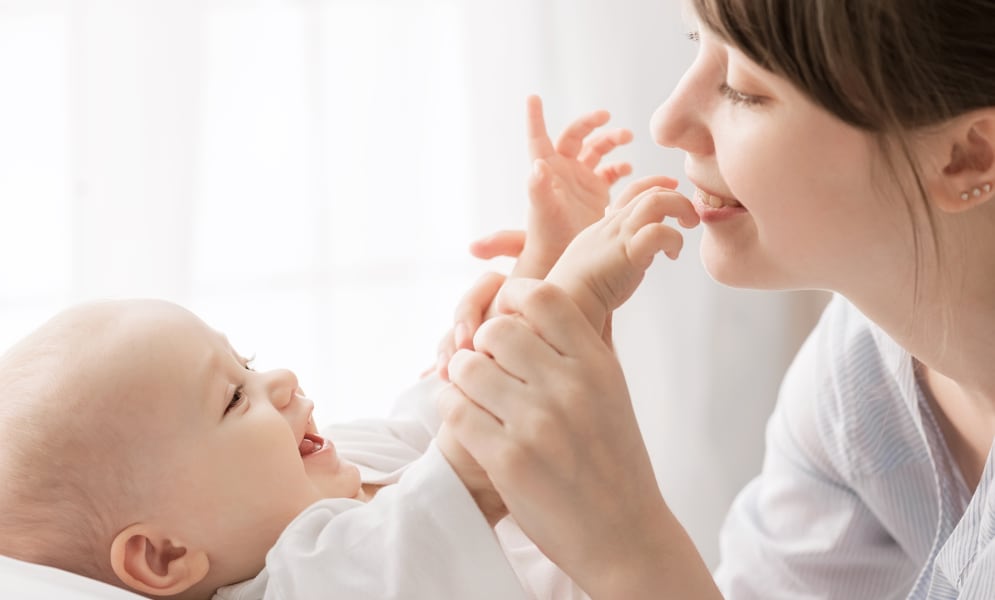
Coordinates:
<point>25,581</point>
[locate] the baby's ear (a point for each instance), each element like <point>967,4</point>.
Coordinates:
<point>152,563</point>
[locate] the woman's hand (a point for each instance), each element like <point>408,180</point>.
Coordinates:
<point>473,476</point>
<point>543,406</point>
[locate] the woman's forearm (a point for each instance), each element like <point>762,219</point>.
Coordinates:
<point>661,564</point>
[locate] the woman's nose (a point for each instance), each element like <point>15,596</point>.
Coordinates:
<point>281,384</point>
<point>680,122</point>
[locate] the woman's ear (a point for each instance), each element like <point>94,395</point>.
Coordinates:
<point>967,147</point>
<point>152,563</point>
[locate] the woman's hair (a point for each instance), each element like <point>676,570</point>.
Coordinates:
<point>889,67</point>
<point>885,66</point>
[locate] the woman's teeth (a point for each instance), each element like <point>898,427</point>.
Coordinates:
<point>716,201</point>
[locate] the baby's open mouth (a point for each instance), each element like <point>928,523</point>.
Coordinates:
<point>311,443</point>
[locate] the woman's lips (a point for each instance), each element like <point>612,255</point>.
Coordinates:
<point>714,209</point>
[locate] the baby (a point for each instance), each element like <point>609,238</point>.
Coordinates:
<point>142,450</point>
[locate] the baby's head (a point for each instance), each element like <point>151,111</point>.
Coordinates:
<point>140,449</point>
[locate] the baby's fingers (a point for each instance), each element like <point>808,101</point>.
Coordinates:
<point>572,140</point>
<point>596,147</point>
<point>651,239</point>
<point>656,204</point>
<point>613,172</point>
<point>507,242</point>
<point>472,308</point>
<point>538,138</point>
<point>639,186</point>
<point>541,189</point>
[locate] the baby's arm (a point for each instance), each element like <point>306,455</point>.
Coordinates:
<point>568,191</point>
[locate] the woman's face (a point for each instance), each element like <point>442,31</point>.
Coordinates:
<point>787,191</point>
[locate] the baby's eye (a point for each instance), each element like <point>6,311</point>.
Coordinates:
<point>236,399</point>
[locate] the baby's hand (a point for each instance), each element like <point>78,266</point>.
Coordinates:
<point>605,263</point>
<point>567,190</point>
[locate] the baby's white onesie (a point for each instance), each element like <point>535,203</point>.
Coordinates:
<point>421,538</point>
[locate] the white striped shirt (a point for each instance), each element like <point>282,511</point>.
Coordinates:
<point>858,497</point>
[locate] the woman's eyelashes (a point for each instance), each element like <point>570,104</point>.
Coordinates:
<point>737,97</point>
<point>728,92</point>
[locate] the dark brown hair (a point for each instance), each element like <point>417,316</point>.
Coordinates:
<point>885,66</point>
<point>889,67</point>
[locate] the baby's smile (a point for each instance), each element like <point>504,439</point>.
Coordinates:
<point>311,443</point>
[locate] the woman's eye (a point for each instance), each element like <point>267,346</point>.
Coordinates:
<point>236,399</point>
<point>737,97</point>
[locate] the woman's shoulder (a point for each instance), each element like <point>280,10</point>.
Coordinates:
<point>844,352</point>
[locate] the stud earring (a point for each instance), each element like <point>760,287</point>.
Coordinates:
<point>976,192</point>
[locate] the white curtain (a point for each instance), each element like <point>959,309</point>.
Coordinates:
<point>306,174</point>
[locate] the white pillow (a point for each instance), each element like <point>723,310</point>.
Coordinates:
<point>27,581</point>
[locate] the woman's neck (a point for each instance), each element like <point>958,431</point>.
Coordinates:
<point>951,333</point>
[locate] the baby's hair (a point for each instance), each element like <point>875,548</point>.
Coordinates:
<point>63,477</point>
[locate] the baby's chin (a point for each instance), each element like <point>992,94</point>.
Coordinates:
<point>344,483</point>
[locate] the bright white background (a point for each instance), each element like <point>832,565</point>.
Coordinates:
<point>306,175</point>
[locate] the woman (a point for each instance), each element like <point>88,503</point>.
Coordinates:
<point>838,145</point>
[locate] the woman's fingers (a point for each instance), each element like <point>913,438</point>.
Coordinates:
<point>554,317</point>
<point>480,377</point>
<point>476,429</point>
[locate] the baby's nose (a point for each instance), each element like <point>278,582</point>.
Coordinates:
<point>281,386</point>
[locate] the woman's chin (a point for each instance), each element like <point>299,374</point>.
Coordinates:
<point>731,267</point>
<point>722,265</point>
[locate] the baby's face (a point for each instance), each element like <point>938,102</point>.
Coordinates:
<point>235,454</point>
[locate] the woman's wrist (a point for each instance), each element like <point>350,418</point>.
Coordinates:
<point>658,561</point>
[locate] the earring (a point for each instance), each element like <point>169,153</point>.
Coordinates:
<point>976,192</point>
